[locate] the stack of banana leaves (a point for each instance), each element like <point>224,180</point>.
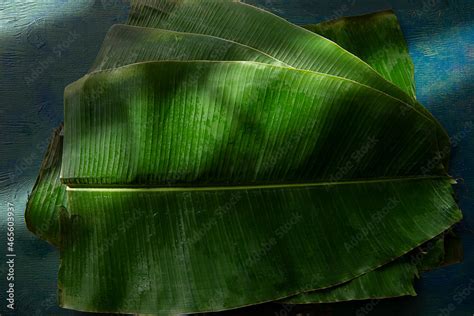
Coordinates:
<point>217,156</point>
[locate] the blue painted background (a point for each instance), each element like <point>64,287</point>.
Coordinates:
<point>46,44</point>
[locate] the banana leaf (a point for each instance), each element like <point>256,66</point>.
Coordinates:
<point>127,39</point>
<point>376,39</point>
<point>102,124</point>
<point>248,25</point>
<point>126,44</point>
<point>291,44</point>
<point>379,283</point>
<point>123,45</point>
<point>48,195</point>
<point>98,108</point>
<point>392,280</point>
<point>158,263</point>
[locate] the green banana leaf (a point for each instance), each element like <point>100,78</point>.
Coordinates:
<point>380,284</point>
<point>48,195</point>
<point>211,147</point>
<point>386,52</point>
<point>376,39</point>
<point>101,121</point>
<point>108,59</point>
<point>126,45</point>
<point>381,280</point>
<point>248,25</point>
<point>251,252</point>
<point>391,280</point>
<point>271,34</point>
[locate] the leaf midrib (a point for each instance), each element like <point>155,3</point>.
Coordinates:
<point>156,188</point>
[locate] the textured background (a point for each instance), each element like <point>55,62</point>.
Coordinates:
<point>46,44</point>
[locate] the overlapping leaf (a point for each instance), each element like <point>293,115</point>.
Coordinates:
<point>308,185</point>
<point>49,194</point>
<point>178,251</point>
<point>208,148</point>
<point>376,39</point>
<point>126,45</point>
<point>271,34</point>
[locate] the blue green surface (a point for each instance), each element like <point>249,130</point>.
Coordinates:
<point>46,44</point>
